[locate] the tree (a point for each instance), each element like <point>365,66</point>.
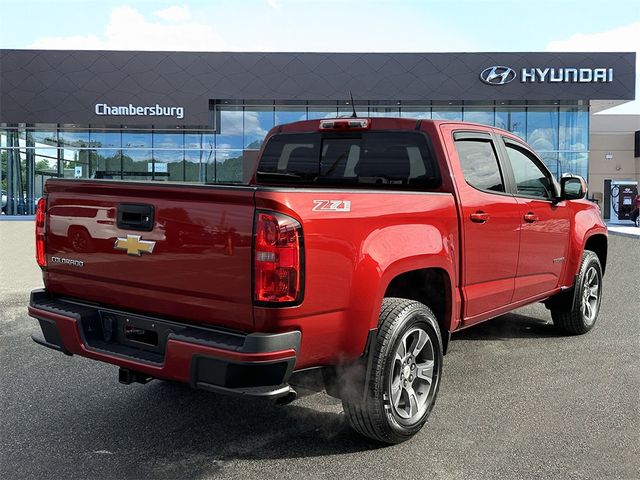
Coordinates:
<point>255,145</point>
<point>42,166</point>
<point>230,170</point>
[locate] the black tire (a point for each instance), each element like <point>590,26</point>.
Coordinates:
<point>575,318</point>
<point>374,414</point>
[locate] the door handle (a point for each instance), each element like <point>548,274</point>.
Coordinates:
<point>479,217</point>
<point>132,216</point>
<point>530,217</point>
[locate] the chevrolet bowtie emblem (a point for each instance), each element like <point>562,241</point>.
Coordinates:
<point>134,245</point>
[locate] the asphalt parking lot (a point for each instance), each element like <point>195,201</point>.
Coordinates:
<point>517,401</point>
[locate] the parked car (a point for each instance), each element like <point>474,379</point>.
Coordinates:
<point>359,246</point>
<point>635,214</point>
<point>21,207</point>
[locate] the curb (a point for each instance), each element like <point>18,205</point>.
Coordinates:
<point>625,234</point>
<point>17,218</point>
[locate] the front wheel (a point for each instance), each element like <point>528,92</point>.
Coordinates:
<point>406,366</point>
<point>580,316</point>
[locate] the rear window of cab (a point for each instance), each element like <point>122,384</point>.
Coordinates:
<point>391,160</point>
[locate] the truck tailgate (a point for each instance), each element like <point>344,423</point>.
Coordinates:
<point>191,263</point>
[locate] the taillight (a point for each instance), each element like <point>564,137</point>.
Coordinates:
<point>277,259</point>
<point>41,207</point>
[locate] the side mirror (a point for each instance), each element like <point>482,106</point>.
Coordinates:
<point>572,188</point>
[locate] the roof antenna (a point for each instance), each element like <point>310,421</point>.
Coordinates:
<point>353,106</point>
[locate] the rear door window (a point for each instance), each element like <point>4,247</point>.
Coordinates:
<point>480,164</point>
<point>401,160</point>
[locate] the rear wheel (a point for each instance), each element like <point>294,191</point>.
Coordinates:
<point>406,366</point>
<point>579,316</point>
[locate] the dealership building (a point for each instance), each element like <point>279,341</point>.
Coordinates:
<point>201,117</point>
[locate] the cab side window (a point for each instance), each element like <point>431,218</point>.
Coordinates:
<point>480,164</point>
<point>531,179</point>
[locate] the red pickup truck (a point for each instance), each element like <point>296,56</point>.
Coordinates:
<point>356,250</point>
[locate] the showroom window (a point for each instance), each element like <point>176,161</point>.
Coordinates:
<point>137,157</point>
<point>542,128</point>
<point>389,111</point>
<point>231,129</point>
<point>513,120</point>
<point>447,113</point>
<point>290,114</point>
<point>257,123</point>
<point>574,129</point>
<point>416,112</point>
<point>31,155</point>
<point>485,116</point>
<point>73,138</point>
<point>317,112</point>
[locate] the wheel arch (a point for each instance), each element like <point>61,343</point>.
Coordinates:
<point>431,286</point>
<point>598,243</point>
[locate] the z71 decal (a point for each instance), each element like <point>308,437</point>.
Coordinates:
<point>332,206</point>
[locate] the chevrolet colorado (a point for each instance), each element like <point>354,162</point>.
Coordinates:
<point>358,247</point>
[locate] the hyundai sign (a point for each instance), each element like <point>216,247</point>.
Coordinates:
<point>501,75</point>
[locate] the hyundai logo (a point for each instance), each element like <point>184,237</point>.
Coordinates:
<point>498,75</point>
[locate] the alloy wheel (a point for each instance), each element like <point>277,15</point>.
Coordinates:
<point>590,295</point>
<point>412,376</point>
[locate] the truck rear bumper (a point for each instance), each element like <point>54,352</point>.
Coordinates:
<point>254,364</point>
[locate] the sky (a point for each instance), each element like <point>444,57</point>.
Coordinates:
<point>326,26</point>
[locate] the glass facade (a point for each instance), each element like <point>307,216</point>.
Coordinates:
<point>30,154</point>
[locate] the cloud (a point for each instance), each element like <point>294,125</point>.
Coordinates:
<point>268,28</point>
<point>233,123</point>
<point>621,39</point>
<point>175,13</point>
<point>128,29</point>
